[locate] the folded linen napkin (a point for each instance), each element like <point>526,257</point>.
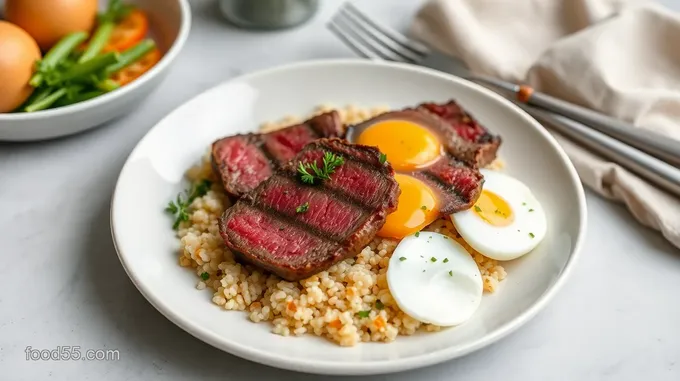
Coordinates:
<point>615,56</point>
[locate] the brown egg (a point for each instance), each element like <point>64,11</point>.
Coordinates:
<point>48,23</point>
<point>18,53</point>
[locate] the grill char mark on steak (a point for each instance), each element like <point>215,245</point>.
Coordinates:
<point>264,229</point>
<point>472,135</point>
<point>458,185</point>
<point>241,162</point>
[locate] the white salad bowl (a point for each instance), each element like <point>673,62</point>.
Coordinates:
<point>153,174</point>
<point>170,21</point>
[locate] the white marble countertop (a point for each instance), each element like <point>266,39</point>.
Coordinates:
<point>618,317</point>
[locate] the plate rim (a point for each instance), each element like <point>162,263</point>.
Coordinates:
<point>381,366</point>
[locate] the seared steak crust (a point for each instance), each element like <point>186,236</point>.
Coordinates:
<point>470,141</point>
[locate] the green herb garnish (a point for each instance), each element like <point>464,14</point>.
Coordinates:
<point>402,259</point>
<point>363,314</point>
<point>531,210</point>
<point>478,209</point>
<point>179,207</point>
<point>423,207</point>
<point>445,260</point>
<point>205,276</point>
<point>379,305</point>
<point>531,235</point>
<point>302,208</point>
<point>417,234</point>
<point>383,158</point>
<point>311,172</point>
<point>451,273</point>
<point>433,259</point>
<point>524,204</point>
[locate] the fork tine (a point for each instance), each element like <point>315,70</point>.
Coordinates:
<point>406,42</point>
<point>351,42</point>
<point>365,45</point>
<point>385,42</point>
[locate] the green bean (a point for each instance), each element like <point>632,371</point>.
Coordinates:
<point>107,85</point>
<point>47,101</point>
<point>131,55</point>
<point>56,55</point>
<point>81,70</point>
<point>98,41</point>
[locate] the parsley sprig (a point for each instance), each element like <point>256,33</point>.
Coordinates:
<point>179,207</point>
<point>310,172</point>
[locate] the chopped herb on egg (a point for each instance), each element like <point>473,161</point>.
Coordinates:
<point>531,210</point>
<point>379,305</point>
<point>402,259</point>
<point>363,314</point>
<point>423,270</point>
<point>478,209</point>
<point>445,260</point>
<point>433,259</point>
<point>423,207</point>
<point>302,208</point>
<point>531,235</point>
<point>451,273</point>
<point>524,204</point>
<point>205,276</point>
<point>417,234</point>
<point>383,158</point>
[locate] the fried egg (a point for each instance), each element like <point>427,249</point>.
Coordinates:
<point>408,145</point>
<point>416,208</point>
<point>434,279</point>
<point>506,222</point>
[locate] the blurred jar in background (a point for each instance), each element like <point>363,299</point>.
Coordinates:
<point>268,14</point>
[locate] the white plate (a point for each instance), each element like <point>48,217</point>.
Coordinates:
<point>153,174</point>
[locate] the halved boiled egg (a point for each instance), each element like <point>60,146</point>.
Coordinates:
<point>506,222</point>
<point>417,208</point>
<point>434,279</point>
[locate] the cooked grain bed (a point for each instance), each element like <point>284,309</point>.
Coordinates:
<point>326,304</point>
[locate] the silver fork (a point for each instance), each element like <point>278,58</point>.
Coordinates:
<point>371,40</point>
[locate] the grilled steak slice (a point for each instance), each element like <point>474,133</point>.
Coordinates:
<point>472,137</point>
<point>242,162</point>
<point>457,184</point>
<point>296,230</point>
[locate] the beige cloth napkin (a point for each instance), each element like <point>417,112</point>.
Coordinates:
<point>616,56</point>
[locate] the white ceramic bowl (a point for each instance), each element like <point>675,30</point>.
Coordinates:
<point>170,21</point>
<point>153,174</point>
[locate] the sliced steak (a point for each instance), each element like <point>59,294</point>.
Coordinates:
<point>296,230</point>
<point>242,162</point>
<point>455,174</point>
<point>458,184</point>
<point>471,137</point>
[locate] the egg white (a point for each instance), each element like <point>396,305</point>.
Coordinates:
<point>506,242</point>
<point>446,291</point>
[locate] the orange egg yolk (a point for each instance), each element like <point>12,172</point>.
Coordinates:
<point>408,146</point>
<point>492,209</point>
<point>417,208</point>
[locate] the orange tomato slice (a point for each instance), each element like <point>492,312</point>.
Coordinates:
<point>132,72</point>
<point>128,32</point>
